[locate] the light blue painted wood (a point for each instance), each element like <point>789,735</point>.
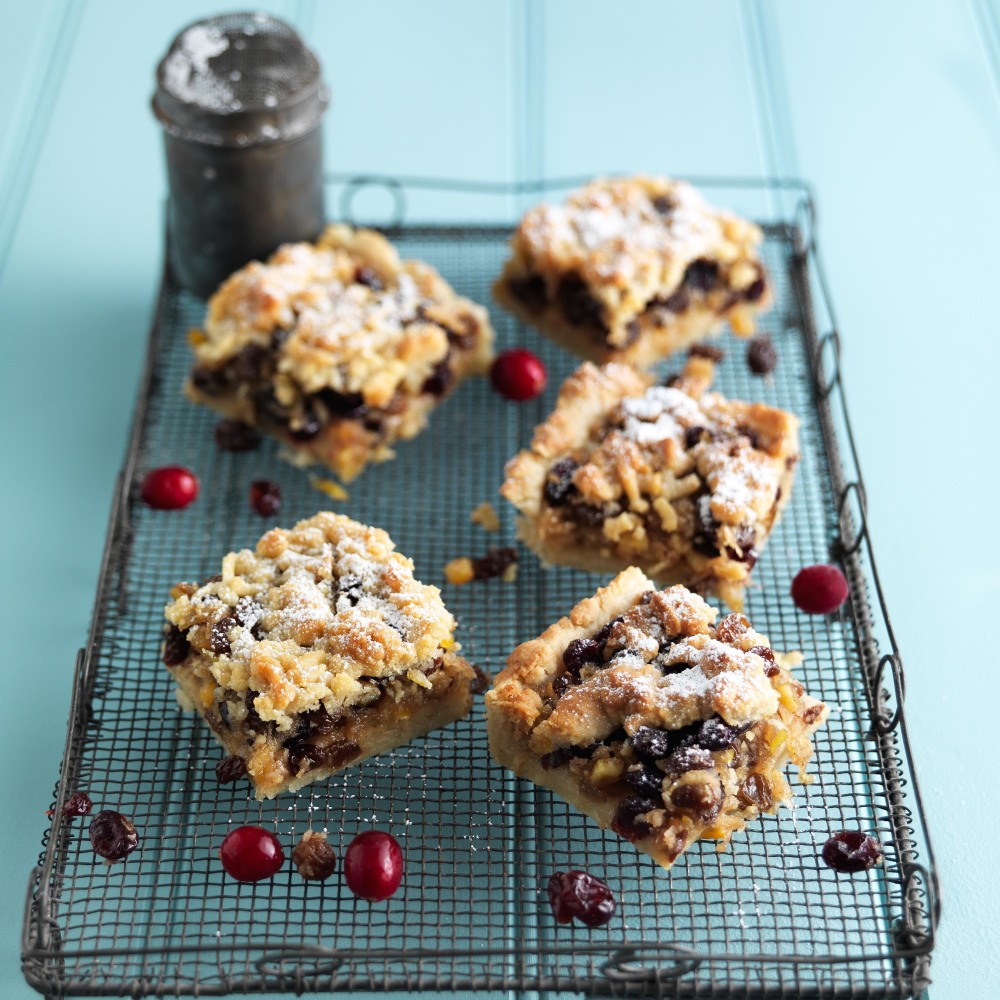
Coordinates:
<point>889,109</point>
<point>648,85</point>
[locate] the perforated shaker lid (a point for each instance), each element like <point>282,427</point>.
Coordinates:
<point>238,80</point>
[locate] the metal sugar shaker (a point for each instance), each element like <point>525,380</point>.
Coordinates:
<point>241,101</point>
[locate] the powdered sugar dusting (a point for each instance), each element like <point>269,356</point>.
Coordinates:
<point>660,413</point>
<point>186,72</point>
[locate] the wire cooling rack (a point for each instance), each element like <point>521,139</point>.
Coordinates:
<point>764,919</point>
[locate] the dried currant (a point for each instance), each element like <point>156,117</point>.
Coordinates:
<point>559,482</point>
<point>702,275</point>
<point>651,744</point>
<point>367,276</point>
<point>220,636</point>
<point>579,895</point>
<point>113,835</point>
<point>644,780</point>
<point>851,851</point>
<point>579,653</point>
<point>230,769</point>
<point>718,735</point>
<point>314,857</point>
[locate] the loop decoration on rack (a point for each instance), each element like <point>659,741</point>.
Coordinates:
<point>356,184</point>
<point>664,962</point>
<point>826,363</point>
<point>804,219</point>
<point>921,909</point>
<point>850,537</point>
<point>885,717</point>
<point>297,966</point>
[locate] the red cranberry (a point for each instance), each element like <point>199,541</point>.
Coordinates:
<point>265,497</point>
<point>169,488</point>
<point>577,894</point>
<point>851,851</point>
<point>373,865</point>
<point>251,853</point>
<point>518,375</point>
<point>113,835</point>
<point>819,590</point>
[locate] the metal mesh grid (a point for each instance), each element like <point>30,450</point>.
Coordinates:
<point>766,918</point>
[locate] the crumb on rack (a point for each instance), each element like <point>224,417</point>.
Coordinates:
<point>196,337</point>
<point>485,515</point>
<point>500,562</point>
<point>332,489</point>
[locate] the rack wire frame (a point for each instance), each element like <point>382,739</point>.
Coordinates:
<point>765,919</point>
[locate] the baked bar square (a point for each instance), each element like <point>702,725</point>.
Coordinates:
<point>674,479</point>
<point>315,651</point>
<point>646,716</point>
<point>337,348</point>
<point>633,269</point>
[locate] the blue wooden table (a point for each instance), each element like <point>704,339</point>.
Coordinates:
<point>890,110</point>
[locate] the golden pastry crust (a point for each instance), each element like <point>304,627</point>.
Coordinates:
<point>318,638</point>
<point>643,714</point>
<point>679,481</point>
<point>338,348</point>
<point>633,269</point>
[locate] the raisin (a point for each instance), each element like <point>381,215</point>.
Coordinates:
<point>210,382</point>
<point>306,426</point>
<point>314,857</point>
<point>234,435</point>
<point>333,752</point>
<point>702,275</point>
<point>664,204</point>
<point>579,653</point>
<point>351,587</point>
<point>703,797</point>
<point>761,355</point>
<point>754,292</point>
<point>745,550</point>
<point>367,276</point>
<point>692,435</point>
<point>580,895</point>
<point>220,636</point>
<point>248,363</point>
<point>559,482</point>
<point>709,351</point>
<point>578,305</point>
<point>632,330</point>
<point>339,404</point>
<point>481,682</point>
<point>230,769</point>
<point>677,302</point>
<point>563,755</point>
<point>626,822</point>
<point>755,790</point>
<point>113,835</point>
<point>731,628</point>
<point>851,851</point>
<point>705,537</point>
<point>562,684</point>
<point>529,290</point>
<point>175,646</point>
<point>495,562</point>
<point>440,379</point>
